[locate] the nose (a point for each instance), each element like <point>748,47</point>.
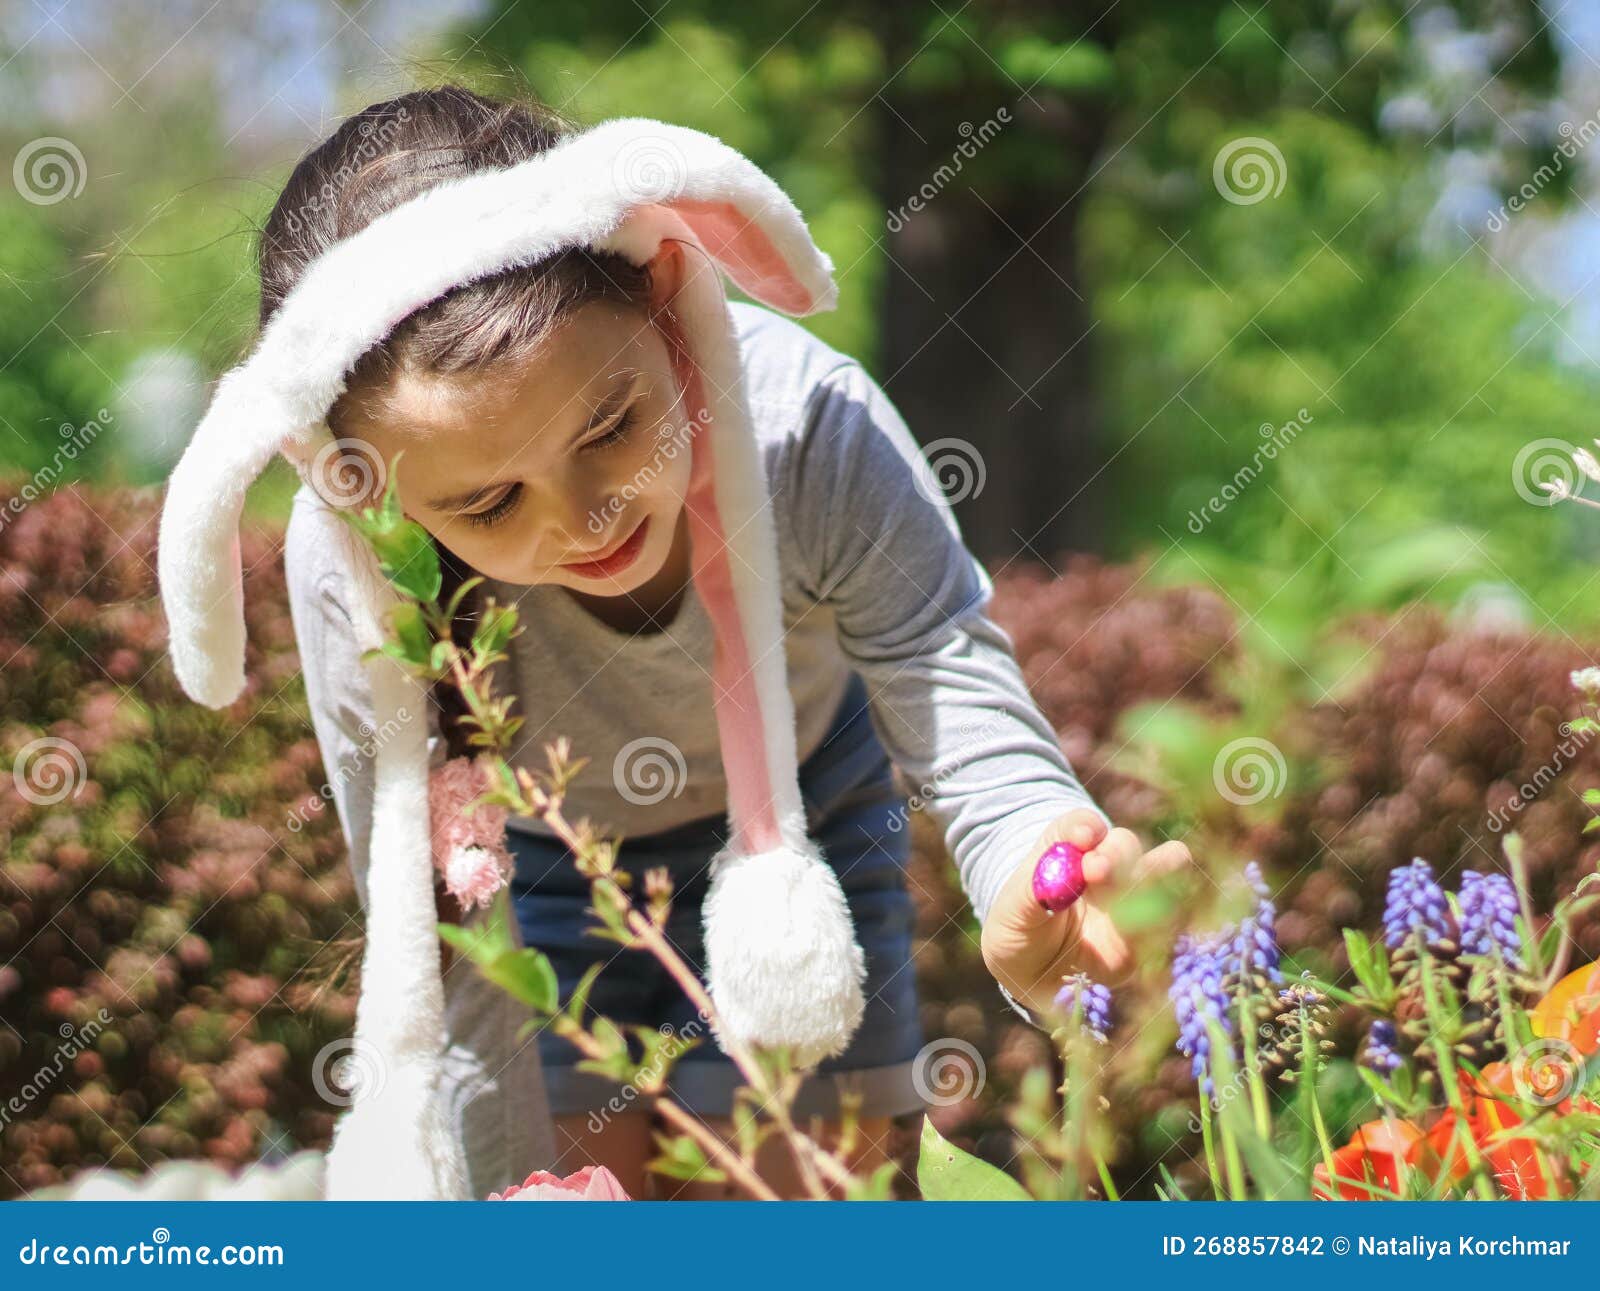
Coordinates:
<point>579,526</point>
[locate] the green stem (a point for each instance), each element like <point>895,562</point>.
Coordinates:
<point>1208,1137</point>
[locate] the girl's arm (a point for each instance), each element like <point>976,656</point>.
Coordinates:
<point>496,1092</point>
<point>882,547</point>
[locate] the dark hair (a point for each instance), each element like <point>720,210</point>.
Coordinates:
<point>377,159</point>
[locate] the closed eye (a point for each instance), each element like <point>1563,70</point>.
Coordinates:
<point>492,515</point>
<point>615,434</point>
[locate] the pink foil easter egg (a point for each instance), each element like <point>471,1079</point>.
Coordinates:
<point>1058,877</point>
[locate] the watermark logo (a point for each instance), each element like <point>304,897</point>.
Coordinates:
<point>948,1071</point>
<point>1249,170</point>
<point>670,441</point>
<point>1249,770</point>
<point>346,472</point>
<point>648,770</point>
<point>48,770</point>
<point>1545,472</point>
<point>372,739</point>
<point>1546,1071</point>
<point>75,1038</point>
<point>650,169</point>
<point>74,440</point>
<point>49,170</point>
<point>957,469</point>
<point>1574,139</point>
<point>1530,789</point>
<point>1274,440</point>
<point>346,1071</point>
<point>374,140</point>
<point>974,139</point>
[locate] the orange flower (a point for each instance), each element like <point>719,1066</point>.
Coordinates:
<point>1571,1010</point>
<point>1514,1162</point>
<point>1543,1078</point>
<point>1369,1167</point>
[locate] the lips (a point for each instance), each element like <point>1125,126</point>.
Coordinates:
<point>618,559</point>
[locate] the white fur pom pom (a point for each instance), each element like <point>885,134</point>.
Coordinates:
<point>781,955</point>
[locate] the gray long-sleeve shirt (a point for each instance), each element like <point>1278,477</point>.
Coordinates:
<point>876,579</point>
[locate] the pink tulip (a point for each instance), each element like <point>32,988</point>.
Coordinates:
<point>592,1183</point>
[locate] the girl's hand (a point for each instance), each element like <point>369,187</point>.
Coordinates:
<point>1029,950</point>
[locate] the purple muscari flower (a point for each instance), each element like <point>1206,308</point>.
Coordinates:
<point>1415,903</point>
<point>1198,967</point>
<point>1256,944</point>
<point>1382,1056</point>
<point>1489,917</point>
<point>1094,999</point>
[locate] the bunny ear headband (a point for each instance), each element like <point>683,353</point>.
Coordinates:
<point>783,964</point>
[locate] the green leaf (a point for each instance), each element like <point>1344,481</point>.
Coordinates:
<point>682,1158</point>
<point>411,634</point>
<point>480,942</point>
<point>525,973</point>
<point>580,992</point>
<point>529,976</point>
<point>460,594</point>
<point>497,626</point>
<point>946,1173</point>
<point>409,560</point>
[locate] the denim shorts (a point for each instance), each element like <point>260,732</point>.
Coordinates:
<point>858,820</point>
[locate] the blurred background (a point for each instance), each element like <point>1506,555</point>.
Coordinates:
<point>1242,337</point>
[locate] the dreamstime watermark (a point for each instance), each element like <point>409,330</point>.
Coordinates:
<point>969,736</point>
<point>948,1071</point>
<point>374,138</point>
<point>1547,471</point>
<point>49,170</point>
<point>1274,440</point>
<point>957,471</point>
<point>348,1070</point>
<point>74,1040</point>
<point>1547,1071</point>
<point>650,169</point>
<point>373,738</point>
<point>1249,170</point>
<point>965,151</point>
<point>74,440</point>
<point>1249,770</point>
<point>345,472</point>
<point>1571,742</point>
<point>676,1041</point>
<point>1574,139</point>
<point>49,769</point>
<point>648,770</point>
<point>1276,1035</point>
<point>670,441</point>
<point>160,1250</point>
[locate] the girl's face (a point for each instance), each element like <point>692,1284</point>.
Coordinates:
<point>532,470</point>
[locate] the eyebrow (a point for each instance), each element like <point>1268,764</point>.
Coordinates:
<point>604,411</point>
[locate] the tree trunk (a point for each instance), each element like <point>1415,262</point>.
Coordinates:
<point>988,340</point>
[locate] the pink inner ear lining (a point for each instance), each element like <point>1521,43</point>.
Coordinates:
<point>752,812</point>
<point>742,246</point>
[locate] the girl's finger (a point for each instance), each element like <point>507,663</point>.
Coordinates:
<point>1167,858</point>
<point>1112,858</point>
<point>1082,828</point>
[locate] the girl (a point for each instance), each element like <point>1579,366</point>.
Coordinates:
<point>541,409</point>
